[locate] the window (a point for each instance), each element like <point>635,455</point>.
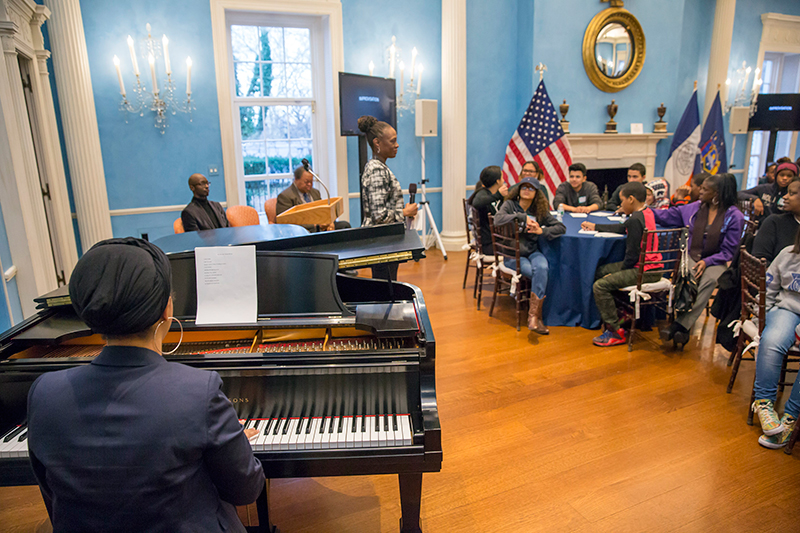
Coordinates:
<point>274,99</point>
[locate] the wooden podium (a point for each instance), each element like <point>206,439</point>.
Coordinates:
<point>313,213</point>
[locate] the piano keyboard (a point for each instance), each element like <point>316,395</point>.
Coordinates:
<point>279,434</point>
<point>322,433</point>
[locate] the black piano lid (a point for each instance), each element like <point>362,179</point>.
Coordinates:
<point>188,241</point>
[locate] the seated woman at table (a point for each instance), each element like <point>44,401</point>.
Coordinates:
<point>776,231</point>
<point>715,229</point>
<point>527,205</point>
<point>531,169</point>
<point>780,333</point>
<point>576,194</point>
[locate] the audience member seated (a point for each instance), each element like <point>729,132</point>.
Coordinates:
<point>202,213</point>
<point>614,276</point>
<point>769,175</point>
<point>780,332</point>
<point>660,190</point>
<point>527,205</point>
<point>636,172</point>
<point>301,192</point>
<point>768,198</point>
<point>776,231</point>
<point>531,169</point>
<point>130,441</point>
<point>715,229</point>
<point>690,192</point>
<point>486,200</point>
<point>576,194</point>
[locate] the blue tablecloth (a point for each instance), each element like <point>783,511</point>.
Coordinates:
<point>573,259</point>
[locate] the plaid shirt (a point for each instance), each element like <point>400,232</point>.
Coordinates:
<point>383,197</point>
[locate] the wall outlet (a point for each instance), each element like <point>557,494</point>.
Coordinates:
<point>213,170</point>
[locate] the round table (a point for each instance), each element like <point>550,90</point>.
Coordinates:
<point>573,259</point>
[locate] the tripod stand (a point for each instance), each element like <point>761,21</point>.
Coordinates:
<point>425,207</point>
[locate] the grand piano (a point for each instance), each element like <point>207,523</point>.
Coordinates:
<point>337,375</point>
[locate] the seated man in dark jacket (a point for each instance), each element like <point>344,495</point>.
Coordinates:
<point>202,213</point>
<point>576,194</point>
<point>487,201</point>
<point>301,192</point>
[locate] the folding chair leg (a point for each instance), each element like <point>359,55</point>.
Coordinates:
<point>750,406</point>
<point>737,359</point>
<point>466,272</point>
<point>518,299</point>
<point>479,284</point>
<point>632,332</point>
<point>494,296</point>
<point>478,270</point>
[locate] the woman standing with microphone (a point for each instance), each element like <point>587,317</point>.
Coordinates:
<point>383,197</point>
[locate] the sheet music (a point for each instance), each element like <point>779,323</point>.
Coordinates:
<point>227,291</point>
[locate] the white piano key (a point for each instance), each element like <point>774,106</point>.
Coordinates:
<point>285,436</point>
<point>349,440</point>
<point>404,422</point>
<point>341,438</point>
<point>329,441</point>
<point>358,436</point>
<point>319,434</point>
<point>381,430</point>
<point>390,432</point>
<point>275,442</point>
<point>372,434</point>
<point>309,439</point>
<point>297,437</point>
<point>20,448</point>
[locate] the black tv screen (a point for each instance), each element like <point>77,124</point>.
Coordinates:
<point>366,95</point>
<point>778,112</point>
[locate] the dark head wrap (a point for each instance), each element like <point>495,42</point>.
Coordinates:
<point>121,286</point>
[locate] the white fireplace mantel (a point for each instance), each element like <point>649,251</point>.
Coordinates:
<point>615,150</point>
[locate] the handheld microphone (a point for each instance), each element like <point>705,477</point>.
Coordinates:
<point>412,192</point>
<point>306,166</point>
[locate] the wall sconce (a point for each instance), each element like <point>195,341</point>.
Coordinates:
<point>408,92</point>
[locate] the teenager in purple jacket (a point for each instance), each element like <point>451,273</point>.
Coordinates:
<point>715,229</point>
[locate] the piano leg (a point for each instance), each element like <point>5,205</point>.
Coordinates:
<point>410,497</point>
<point>262,507</point>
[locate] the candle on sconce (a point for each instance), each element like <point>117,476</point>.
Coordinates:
<point>419,77</point>
<point>371,68</point>
<point>413,63</point>
<point>188,75</point>
<point>402,76</point>
<point>148,30</point>
<point>391,59</point>
<point>167,66</point>
<point>133,56</point>
<point>152,62</point>
<point>119,76</point>
<point>727,90</point>
<point>756,79</point>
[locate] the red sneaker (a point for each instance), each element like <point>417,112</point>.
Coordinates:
<point>610,338</point>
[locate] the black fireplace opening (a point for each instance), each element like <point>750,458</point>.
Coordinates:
<point>607,179</point>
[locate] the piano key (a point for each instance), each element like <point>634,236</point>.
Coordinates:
<point>341,439</point>
<point>405,429</point>
<point>358,436</point>
<point>287,433</point>
<point>318,434</point>
<point>381,430</point>
<point>371,436</point>
<point>295,433</point>
<point>309,440</point>
<point>351,434</point>
<point>390,431</point>
<point>13,433</point>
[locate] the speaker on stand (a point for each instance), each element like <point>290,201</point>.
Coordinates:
<point>427,125</point>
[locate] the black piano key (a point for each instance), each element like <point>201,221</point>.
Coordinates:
<point>23,436</point>
<point>322,425</point>
<point>309,426</point>
<point>394,422</point>
<point>14,432</point>
<point>341,424</point>
<point>331,426</point>
<point>279,425</point>
<point>285,430</point>
<point>363,424</point>
<point>300,426</point>
<point>386,422</point>
<point>353,425</point>
<point>258,423</point>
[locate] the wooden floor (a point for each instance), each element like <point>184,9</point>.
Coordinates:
<point>554,434</point>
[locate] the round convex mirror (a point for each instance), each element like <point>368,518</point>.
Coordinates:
<point>613,50</point>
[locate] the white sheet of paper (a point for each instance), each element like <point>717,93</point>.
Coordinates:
<point>578,215</point>
<point>616,219</point>
<point>587,231</point>
<point>227,291</point>
<point>637,128</point>
<point>607,235</point>
<point>601,213</point>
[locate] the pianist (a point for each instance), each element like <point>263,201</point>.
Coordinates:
<point>301,192</point>
<point>202,213</point>
<point>131,442</point>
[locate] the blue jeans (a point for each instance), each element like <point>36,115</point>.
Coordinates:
<point>535,268</point>
<point>776,340</point>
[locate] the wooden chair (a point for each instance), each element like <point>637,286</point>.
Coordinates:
<point>657,293</point>
<point>177,226</point>
<point>242,215</point>
<point>482,262</point>
<point>753,273</point>
<point>270,209</point>
<point>750,227</point>
<point>747,209</point>
<point>505,243</point>
<point>472,245</point>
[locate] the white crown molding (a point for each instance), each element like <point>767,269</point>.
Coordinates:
<point>781,33</point>
<point>605,150</point>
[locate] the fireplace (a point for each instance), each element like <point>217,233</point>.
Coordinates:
<point>607,178</point>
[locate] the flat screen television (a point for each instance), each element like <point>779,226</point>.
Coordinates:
<point>777,112</point>
<point>366,95</point>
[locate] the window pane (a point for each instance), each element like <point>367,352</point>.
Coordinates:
<point>275,76</point>
<point>300,150</point>
<point>299,118</point>
<point>253,157</point>
<point>252,123</point>
<point>243,43</point>
<point>276,126</point>
<point>258,192</point>
<point>298,45</point>
<point>298,80</point>
<point>271,44</point>
<point>247,79</point>
<point>278,157</point>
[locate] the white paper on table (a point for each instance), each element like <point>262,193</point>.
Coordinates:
<point>607,234</point>
<point>578,215</point>
<point>601,213</point>
<point>616,219</point>
<point>227,290</point>
<point>587,231</point>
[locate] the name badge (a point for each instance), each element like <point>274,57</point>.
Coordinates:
<point>581,199</point>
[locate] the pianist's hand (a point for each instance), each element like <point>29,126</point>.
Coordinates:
<point>250,433</point>
<point>410,210</point>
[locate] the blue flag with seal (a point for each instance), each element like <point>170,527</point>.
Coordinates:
<point>713,156</point>
<point>683,151</point>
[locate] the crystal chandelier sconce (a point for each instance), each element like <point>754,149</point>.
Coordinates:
<point>409,92</point>
<point>742,97</point>
<point>161,98</point>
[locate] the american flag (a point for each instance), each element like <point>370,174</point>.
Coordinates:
<point>539,137</point>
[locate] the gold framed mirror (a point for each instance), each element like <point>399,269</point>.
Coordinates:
<point>613,49</point>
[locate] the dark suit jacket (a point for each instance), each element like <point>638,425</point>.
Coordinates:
<point>291,197</point>
<point>131,442</point>
<point>195,218</point>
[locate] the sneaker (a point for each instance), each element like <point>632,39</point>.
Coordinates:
<point>610,338</point>
<point>770,423</point>
<point>779,441</point>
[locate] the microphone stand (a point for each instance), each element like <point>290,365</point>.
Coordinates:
<point>320,182</point>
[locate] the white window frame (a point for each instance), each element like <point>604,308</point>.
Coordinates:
<point>330,148</point>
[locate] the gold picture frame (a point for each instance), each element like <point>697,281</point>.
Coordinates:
<point>624,18</point>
